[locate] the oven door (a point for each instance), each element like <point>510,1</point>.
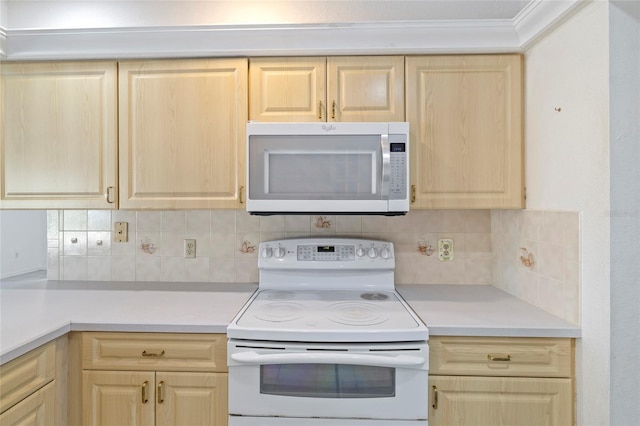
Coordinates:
<point>383,381</point>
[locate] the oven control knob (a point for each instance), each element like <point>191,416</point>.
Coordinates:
<point>279,253</point>
<point>360,252</point>
<point>385,253</point>
<point>372,253</point>
<point>267,252</point>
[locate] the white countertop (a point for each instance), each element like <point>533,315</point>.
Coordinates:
<point>480,310</point>
<point>34,312</point>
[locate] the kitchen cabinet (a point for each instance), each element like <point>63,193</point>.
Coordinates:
<point>182,133</point>
<point>344,88</point>
<point>58,130</point>
<point>27,388</point>
<point>465,114</point>
<point>154,379</point>
<point>500,381</point>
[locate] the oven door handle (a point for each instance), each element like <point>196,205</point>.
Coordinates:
<point>253,357</point>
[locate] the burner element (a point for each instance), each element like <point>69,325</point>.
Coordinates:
<point>280,312</point>
<point>374,296</point>
<point>356,313</point>
<point>280,295</point>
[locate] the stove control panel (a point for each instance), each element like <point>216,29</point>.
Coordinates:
<point>340,253</point>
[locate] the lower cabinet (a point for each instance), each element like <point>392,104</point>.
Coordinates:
<point>37,409</point>
<point>500,381</point>
<point>121,398</point>
<point>28,388</point>
<point>147,379</point>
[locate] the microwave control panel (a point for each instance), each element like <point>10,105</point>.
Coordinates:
<point>398,169</point>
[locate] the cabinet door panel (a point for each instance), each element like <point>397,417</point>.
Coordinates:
<point>466,130</point>
<point>365,88</point>
<point>36,410</point>
<point>26,374</point>
<point>182,133</point>
<point>493,401</point>
<point>58,138</point>
<point>191,399</point>
<point>287,89</point>
<point>118,398</point>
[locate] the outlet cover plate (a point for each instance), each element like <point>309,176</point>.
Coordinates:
<point>445,249</point>
<point>189,248</point>
<point>121,232</point>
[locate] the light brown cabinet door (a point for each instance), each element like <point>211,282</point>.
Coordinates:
<point>58,130</point>
<point>287,89</point>
<point>340,88</point>
<point>36,410</point>
<point>465,115</point>
<point>191,399</point>
<point>182,133</point>
<point>118,398</point>
<point>365,88</point>
<point>496,401</point>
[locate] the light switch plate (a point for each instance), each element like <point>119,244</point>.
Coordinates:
<point>445,249</point>
<point>121,232</point>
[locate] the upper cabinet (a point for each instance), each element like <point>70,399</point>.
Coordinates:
<point>182,133</point>
<point>346,88</point>
<point>58,129</point>
<point>465,115</point>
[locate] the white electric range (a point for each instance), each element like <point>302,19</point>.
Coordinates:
<point>327,340</point>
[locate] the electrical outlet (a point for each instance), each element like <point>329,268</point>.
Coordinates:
<point>445,250</point>
<point>190,248</point>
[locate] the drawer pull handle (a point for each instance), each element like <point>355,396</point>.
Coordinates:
<point>144,392</point>
<point>499,358</point>
<point>435,398</point>
<point>152,355</point>
<point>160,396</point>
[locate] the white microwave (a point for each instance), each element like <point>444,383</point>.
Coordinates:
<point>328,168</point>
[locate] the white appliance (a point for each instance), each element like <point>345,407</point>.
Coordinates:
<point>326,340</point>
<point>347,168</point>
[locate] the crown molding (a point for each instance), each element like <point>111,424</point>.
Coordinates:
<point>397,37</point>
<point>541,16</point>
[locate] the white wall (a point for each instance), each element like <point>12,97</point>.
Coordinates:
<point>23,242</point>
<point>624,42</point>
<point>567,168</point>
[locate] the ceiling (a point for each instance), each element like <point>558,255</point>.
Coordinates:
<point>58,14</point>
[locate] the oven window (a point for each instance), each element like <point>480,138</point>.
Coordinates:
<point>327,380</point>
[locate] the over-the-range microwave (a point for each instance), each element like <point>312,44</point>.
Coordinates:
<point>328,168</point>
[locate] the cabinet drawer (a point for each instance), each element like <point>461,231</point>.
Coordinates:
<point>154,351</point>
<point>488,356</point>
<point>26,374</point>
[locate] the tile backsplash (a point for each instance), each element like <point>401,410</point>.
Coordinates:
<point>536,257</point>
<point>81,244</point>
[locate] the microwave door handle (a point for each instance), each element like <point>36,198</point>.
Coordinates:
<point>393,361</point>
<point>386,166</point>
